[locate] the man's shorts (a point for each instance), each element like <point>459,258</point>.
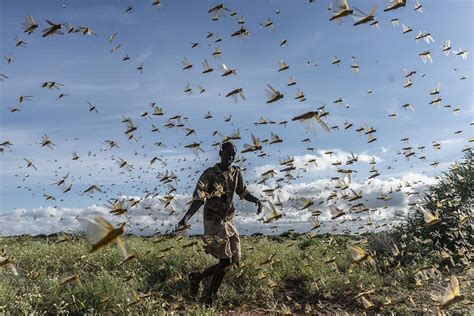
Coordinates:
<point>221,239</point>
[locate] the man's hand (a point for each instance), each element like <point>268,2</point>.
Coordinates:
<point>181,227</point>
<point>183,223</point>
<point>259,207</point>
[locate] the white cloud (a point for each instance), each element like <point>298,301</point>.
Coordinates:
<point>150,216</point>
<point>452,141</point>
<point>142,57</point>
<point>322,162</point>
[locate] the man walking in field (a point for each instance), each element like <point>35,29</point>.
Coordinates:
<point>215,190</point>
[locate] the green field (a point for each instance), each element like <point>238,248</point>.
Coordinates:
<point>304,275</point>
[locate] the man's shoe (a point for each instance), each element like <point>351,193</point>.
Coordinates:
<point>193,283</point>
<point>207,301</point>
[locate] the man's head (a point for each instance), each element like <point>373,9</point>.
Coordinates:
<point>227,153</point>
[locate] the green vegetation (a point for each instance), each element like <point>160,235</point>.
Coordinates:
<point>301,277</point>
<point>452,200</point>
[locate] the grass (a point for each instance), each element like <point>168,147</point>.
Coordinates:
<point>300,279</point>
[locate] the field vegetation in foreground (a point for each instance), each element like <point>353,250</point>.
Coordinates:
<point>277,275</point>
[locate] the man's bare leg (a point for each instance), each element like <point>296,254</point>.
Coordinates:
<point>216,281</point>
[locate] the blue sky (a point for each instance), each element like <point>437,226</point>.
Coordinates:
<point>161,38</point>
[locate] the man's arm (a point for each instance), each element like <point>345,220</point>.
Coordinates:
<point>199,195</point>
<point>241,190</point>
<point>195,206</point>
<point>249,197</point>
